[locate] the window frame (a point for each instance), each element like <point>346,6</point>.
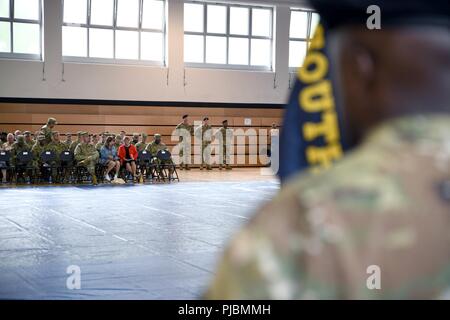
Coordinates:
<point>115,28</point>
<point>228,35</point>
<point>11,20</point>
<point>308,33</point>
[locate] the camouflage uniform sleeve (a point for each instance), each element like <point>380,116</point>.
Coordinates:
<point>78,153</point>
<point>276,256</point>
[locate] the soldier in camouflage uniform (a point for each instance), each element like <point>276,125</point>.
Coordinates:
<point>57,147</point>
<point>17,147</point>
<point>37,149</point>
<point>184,128</point>
<point>225,136</point>
<point>74,144</point>
<point>118,141</point>
<point>68,140</point>
<point>28,139</point>
<point>99,144</point>
<point>47,129</point>
<point>86,155</point>
<point>379,218</point>
<point>135,139</point>
<point>204,133</point>
<point>142,145</point>
<point>154,147</point>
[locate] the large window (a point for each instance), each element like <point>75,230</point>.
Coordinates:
<point>130,31</point>
<point>21,29</point>
<point>303,25</point>
<point>230,36</point>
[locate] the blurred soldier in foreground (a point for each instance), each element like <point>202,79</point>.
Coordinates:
<point>376,225</point>
<point>46,130</point>
<point>204,133</point>
<point>86,155</point>
<point>225,136</point>
<point>185,129</point>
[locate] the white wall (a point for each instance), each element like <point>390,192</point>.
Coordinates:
<point>55,79</point>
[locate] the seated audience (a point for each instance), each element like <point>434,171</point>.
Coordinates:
<point>109,158</point>
<point>128,155</point>
<point>87,155</point>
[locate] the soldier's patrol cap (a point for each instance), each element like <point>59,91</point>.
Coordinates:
<point>224,121</point>
<point>185,116</point>
<point>205,118</point>
<point>52,121</point>
<point>84,133</point>
<point>335,14</point>
<point>27,133</point>
<point>157,135</point>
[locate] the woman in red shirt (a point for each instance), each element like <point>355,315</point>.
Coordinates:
<point>128,154</point>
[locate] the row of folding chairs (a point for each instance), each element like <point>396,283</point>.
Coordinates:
<point>150,168</point>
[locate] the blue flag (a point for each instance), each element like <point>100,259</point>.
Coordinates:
<point>312,134</point>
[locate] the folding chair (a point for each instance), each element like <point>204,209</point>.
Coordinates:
<point>24,166</point>
<point>48,166</point>
<point>146,167</point>
<point>66,166</point>
<point>166,166</point>
<point>5,164</point>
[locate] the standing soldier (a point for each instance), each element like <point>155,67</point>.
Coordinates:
<point>86,155</point>
<point>47,129</point>
<point>204,134</point>
<point>225,136</point>
<point>140,146</point>
<point>185,129</point>
<point>74,144</point>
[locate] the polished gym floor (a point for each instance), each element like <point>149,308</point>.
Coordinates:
<point>159,241</point>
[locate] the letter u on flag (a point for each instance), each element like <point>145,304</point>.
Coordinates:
<point>312,135</point>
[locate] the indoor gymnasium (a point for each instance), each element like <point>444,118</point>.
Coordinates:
<point>226,149</point>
